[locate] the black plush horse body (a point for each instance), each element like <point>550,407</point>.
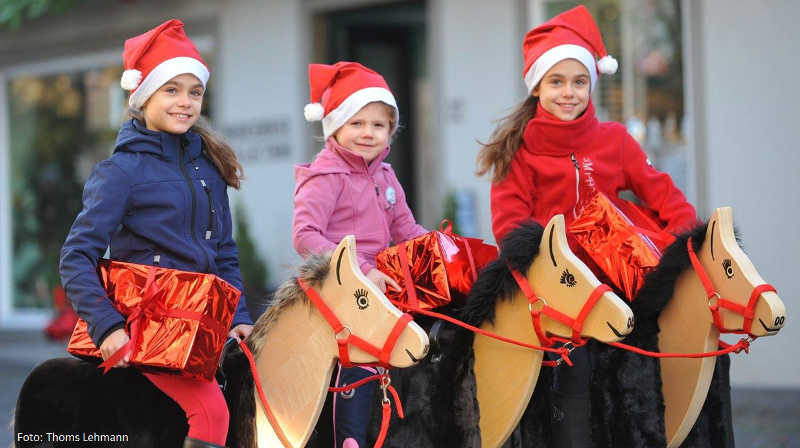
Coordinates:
<point>627,406</point>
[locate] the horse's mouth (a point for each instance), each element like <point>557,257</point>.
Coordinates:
<point>770,331</point>
<point>617,333</point>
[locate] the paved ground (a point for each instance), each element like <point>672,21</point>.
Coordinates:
<point>762,418</point>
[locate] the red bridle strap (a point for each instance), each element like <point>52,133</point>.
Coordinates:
<point>747,311</point>
<point>576,324</point>
<point>382,354</point>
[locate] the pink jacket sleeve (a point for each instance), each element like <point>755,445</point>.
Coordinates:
<point>656,188</point>
<point>404,226</point>
<point>314,203</point>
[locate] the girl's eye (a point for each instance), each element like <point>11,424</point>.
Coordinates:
<point>556,82</point>
<point>581,82</point>
<point>197,93</point>
<point>380,125</point>
<point>172,90</point>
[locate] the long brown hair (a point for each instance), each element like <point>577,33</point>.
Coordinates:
<point>216,148</point>
<point>496,155</point>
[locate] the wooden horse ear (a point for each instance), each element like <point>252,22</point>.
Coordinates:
<point>720,232</point>
<point>554,239</point>
<point>344,262</point>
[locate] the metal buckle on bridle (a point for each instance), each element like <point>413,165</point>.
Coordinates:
<point>569,351</point>
<point>716,294</point>
<point>336,335</point>
<point>538,299</point>
<point>386,380</point>
<point>746,348</point>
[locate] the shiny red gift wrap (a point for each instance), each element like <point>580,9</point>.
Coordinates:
<point>440,265</point>
<point>178,321</point>
<point>623,248</point>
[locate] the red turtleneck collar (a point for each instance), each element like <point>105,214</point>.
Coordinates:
<point>547,135</point>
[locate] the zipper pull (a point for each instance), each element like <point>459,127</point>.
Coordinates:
<point>156,260</point>
<point>574,161</point>
<point>377,190</point>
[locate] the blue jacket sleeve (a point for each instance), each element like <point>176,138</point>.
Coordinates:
<point>228,263</point>
<point>105,199</point>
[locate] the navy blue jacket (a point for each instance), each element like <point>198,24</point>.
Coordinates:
<point>156,200</point>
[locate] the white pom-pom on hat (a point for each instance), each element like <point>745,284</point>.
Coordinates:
<point>314,112</point>
<point>130,79</point>
<point>607,65</point>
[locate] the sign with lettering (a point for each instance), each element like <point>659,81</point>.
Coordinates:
<point>261,141</point>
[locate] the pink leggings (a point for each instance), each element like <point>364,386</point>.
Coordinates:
<point>203,403</point>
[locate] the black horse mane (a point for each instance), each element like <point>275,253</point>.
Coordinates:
<point>518,249</point>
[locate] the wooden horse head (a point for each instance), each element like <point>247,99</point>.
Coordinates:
<point>687,322</point>
<point>506,374</point>
<point>296,349</point>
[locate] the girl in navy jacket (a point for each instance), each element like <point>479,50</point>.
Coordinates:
<point>161,199</point>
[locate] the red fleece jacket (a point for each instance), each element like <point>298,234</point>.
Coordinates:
<point>561,165</point>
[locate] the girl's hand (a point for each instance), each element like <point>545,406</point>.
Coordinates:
<point>382,280</point>
<point>240,331</point>
<point>114,342</point>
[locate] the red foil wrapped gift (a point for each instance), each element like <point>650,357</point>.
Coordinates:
<point>440,266</point>
<point>626,246</point>
<point>177,321</point>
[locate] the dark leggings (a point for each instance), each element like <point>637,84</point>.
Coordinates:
<point>573,380</point>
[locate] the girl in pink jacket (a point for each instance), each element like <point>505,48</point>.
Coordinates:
<point>348,190</point>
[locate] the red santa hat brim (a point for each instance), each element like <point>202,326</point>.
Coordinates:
<point>163,73</point>
<point>555,55</point>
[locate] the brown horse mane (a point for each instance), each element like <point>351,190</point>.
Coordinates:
<point>313,270</point>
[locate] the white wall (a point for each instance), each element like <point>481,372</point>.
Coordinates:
<point>262,72</point>
<point>477,47</point>
<point>749,94</point>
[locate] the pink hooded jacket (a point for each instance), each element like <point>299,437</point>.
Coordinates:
<point>338,194</point>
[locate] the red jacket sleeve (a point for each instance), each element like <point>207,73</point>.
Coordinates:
<point>512,199</point>
<point>656,188</point>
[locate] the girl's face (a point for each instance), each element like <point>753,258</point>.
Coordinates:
<point>565,89</point>
<point>367,132</point>
<point>175,106</point>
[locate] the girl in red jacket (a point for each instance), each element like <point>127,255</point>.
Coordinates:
<point>551,156</point>
<point>348,190</point>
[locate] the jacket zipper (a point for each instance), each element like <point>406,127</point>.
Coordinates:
<point>211,210</point>
<point>193,214</point>
<point>577,185</point>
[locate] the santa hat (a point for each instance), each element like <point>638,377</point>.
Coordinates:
<point>157,56</point>
<point>570,35</point>
<point>339,91</point>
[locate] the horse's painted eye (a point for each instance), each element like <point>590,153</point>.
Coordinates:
<point>726,264</point>
<point>568,279</point>
<point>361,299</point>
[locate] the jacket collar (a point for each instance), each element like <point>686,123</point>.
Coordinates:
<point>356,162</point>
<point>547,135</point>
<point>135,137</point>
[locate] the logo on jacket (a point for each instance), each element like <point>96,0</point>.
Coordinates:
<point>391,197</point>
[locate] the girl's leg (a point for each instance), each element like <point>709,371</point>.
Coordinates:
<point>351,410</point>
<point>204,404</point>
<point>569,401</point>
